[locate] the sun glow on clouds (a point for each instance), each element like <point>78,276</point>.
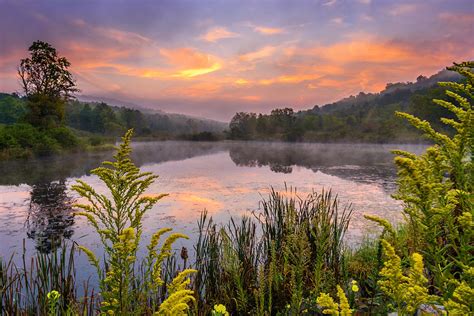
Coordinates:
<point>218,33</point>
<point>268,30</point>
<point>272,57</point>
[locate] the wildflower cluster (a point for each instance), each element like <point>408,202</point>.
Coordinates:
<point>220,310</point>
<point>53,298</point>
<point>330,307</point>
<point>118,221</point>
<point>436,189</point>
<point>407,291</point>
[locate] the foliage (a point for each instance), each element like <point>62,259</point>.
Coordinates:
<point>361,118</point>
<point>299,254</point>
<point>44,112</point>
<point>462,300</point>
<point>105,119</point>
<point>12,108</point>
<point>47,84</point>
<point>332,308</point>
<point>27,289</point>
<point>118,221</point>
<point>437,189</point>
<point>408,291</point>
<point>23,140</point>
<point>45,73</point>
<point>53,298</point>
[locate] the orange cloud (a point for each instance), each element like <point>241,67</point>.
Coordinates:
<point>290,78</point>
<point>251,98</point>
<point>180,63</point>
<point>187,58</point>
<point>241,81</point>
<point>362,51</point>
<point>189,73</point>
<point>268,30</point>
<point>217,34</point>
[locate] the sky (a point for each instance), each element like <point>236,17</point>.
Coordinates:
<point>215,58</point>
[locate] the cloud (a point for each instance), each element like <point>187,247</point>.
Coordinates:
<point>291,78</point>
<point>458,18</point>
<point>366,18</point>
<point>113,34</point>
<point>251,98</point>
<point>290,54</point>
<point>182,63</point>
<point>189,73</point>
<point>337,21</point>
<point>187,57</point>
<point>330,3</point>
<point>217,33</point>
<point>268,30</point>
<point>264,52</point>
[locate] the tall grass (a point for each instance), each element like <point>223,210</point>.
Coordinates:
<point>24,287</point>
<point>276,260</point>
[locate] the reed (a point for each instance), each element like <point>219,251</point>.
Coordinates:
<point>280,257</point>
<point>24,287</point>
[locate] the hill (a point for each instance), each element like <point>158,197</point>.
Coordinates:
<point>367,117</point>
<point>109,120</point>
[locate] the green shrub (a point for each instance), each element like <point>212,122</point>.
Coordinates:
<point>64,137</point>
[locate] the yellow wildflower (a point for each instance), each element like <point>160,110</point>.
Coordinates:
<point>344,306</point>
<point>327,303</point>
<point>220,310</point>
<point>53,295</point>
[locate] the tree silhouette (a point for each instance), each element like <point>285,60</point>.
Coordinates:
<point>47,83</point>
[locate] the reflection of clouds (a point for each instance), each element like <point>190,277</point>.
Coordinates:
<point>199,176</point>
<point>210,185</point>
<point>190,204</point>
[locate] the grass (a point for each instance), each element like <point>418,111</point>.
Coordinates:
<point>24,288</point>
<point>279,257</point>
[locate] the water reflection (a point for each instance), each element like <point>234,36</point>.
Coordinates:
<point>364,163</point>
<point>76,165</point>
<point>50,216</point>
<point>360,163</point>
<point>226,178</point>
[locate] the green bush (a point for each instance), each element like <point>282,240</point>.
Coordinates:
<point>64,137</point>
<point>46,145</point>
<point>22,140</point>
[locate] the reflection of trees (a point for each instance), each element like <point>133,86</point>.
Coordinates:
<point>50,215</point>
<point>275,167</point>
<point>74,165</point>
<point>360,163</point>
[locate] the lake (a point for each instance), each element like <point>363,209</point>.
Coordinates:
<point>225,178</point>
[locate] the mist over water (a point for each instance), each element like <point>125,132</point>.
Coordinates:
<point>225,178</point>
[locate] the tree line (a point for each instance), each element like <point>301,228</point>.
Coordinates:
<point>47,118</point>
<point>361,118</point>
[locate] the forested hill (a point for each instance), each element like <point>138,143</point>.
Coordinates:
<point>101,118</point>
<point>398,92</point>
<point>367,117</point>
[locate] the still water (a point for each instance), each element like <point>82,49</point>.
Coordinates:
<point>224,178</point>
